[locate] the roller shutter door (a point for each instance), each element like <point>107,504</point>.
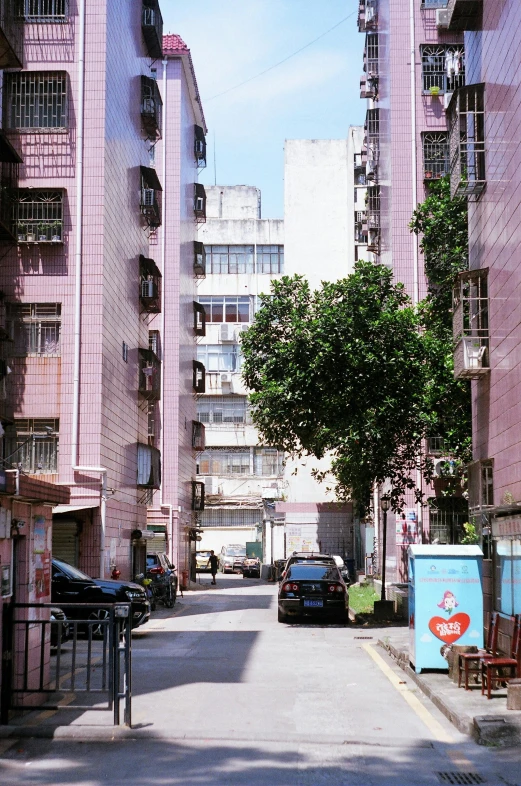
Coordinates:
<point>156,545</point>
<point>65,541</point>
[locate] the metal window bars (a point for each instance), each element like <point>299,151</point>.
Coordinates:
<point>197,495</point>
<point>42,11</point>
<point>149,375</point>
<point>481,484</point>
<point>151,107</point>
<point>467,142</point>
<point>446,518</point>
<point>150,282</point>
<point>152,28</point>
<point>443,68</point>
<point>32,445</point>
<point>198,435</point>
<point>38,216</point>
<point>35,328</point>
<point>371,54</point>
<point>199,146</point>
<point>36,101</point>
<point>435,155</point>
<point>470,325</point>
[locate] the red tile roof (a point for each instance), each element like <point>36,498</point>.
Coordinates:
<point>174,43</point>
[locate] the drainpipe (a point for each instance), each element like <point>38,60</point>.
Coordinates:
<point>163,264</point>
<point>414,157</point>
<point>103,509</point>
<point>79,234</point>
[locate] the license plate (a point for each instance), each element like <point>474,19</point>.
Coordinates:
<point>315,603</point>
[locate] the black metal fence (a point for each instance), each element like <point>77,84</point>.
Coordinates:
<point>67,662</point>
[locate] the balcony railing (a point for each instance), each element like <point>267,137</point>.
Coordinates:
<point>38,216</point>
<point>470,325</point>
<point>467,142</point>
<point>149,285</point>
<point>152,27</point>
<point>464,14</point>
<point>151,192</point>
<point>151,107</point>
<point>149,375</point>
<point>435,155</point>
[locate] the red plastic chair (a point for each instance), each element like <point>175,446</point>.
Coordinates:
<point>493,670</point>
<point>470,662</point>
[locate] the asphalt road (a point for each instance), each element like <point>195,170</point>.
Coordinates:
<point>224,695</point>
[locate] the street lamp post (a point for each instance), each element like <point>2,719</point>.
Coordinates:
<point>385,503</point>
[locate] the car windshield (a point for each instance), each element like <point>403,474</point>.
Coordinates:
<point>151,560</point>
<point>70,570</point>
<point>313,572</point>
<point>235,552</point>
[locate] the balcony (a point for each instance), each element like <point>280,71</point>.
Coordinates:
<point>198,377</point>
<point>151,192</point>
<point>470,325</point>
<point>464,14</point>
<point>199,260</point>
<point>197,495</point>
<point>38,216</point>
<point>149,285</point>
<point>148,467</point>
<point>151,108</point>
<point>199,319</point>
<point>199,203</point>
<point>11,37</point>
<point>198,435</point>
<point>467,142</point>
<point>199,146</point>
<point>149,375</point>
<point>152,28</point>
<point>369,87</point>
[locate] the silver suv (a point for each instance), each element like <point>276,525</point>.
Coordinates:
<point>232,557</point>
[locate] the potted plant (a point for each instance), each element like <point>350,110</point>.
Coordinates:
<point>434,91</point>
<point>43,228</point>
<point>31,235</point>
<point>56,231</point>
<point>22,232</point>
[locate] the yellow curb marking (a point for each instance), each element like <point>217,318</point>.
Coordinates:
<point>415,704</point>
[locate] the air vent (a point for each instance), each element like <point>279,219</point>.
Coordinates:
<point>460,777</point>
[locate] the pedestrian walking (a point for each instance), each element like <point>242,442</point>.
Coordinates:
<point>213,562</point>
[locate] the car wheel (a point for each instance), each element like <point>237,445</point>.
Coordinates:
<point>169,597</point>
<point>281,616</point>
<point>100,615</point>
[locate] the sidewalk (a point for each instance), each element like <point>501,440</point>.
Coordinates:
<point>488,722</point>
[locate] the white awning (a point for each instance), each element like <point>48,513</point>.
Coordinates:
<point>71,508</point>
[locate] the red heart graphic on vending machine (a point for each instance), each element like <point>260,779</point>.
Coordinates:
<point>449,630</point>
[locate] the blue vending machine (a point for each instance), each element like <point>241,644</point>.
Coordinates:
<point>445,601</point>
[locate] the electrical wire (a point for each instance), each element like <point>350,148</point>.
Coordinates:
<point>285,60</point>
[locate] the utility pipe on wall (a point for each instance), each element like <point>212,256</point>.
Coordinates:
<point>163,264</point>
<point>103,510</point>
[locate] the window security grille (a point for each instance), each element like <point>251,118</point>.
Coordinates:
<point>149,285</point>
<point>149,375</point>
<point>199,146</point>
<point>32,445</point>
<point>443,67</point>
<point>228,517</point>
<point>264,259</point>
<point>198,377</point>
<point>373,207</point>
<point>435,155</point>
<point>151,190</point>
<point>38,216</point>
<point>371,54</point>
<point>223,411</point>
<point>227,308</point>
<point>199,260</point>
<point>198,441</point>
<point>267,462</point>
<point>470,325</point>
<point>372,122</point>
<point>197,495</point>
<point>446,518</point>
<point>154,344</point>
<point>199,203</point>
<point>152,27</point>
<point>35,328</point>
<point>434,3</point>
<point>41,11</point>
<point>151,107</point>
<point>481,484</point>
<point>467,142</point>
<point>36,101</point>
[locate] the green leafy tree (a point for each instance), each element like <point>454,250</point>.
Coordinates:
<point>442,223</point>
<point>342,369</point>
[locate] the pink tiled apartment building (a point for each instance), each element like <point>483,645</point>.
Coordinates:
<point>98,278</point>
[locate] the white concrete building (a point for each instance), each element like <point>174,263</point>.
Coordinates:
<point>242,480</point>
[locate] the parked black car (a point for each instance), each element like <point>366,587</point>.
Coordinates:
<point>164,578</point>
<point>70,585</point>
<point>60,626</point>
<point>306,557</point>
<point>313,588</point>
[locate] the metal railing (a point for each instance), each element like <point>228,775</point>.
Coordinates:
<point>61,664</point>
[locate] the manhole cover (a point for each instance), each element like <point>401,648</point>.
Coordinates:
<point>363,637</point>
<point>460,777</point>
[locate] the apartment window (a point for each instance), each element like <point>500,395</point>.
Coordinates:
<point>199,260</point>
<point>36,101</point>
<point>151,192</point>
<point>154,343</point>
<point>198,435</point>
<point>241,259</point>
<point>507,576</point>
<point>223,461</point>
<point>199,146</point>
<point>220,357</point>
<point>481,484</point>
<point>199,203</point>
<point>443,68</point>
<point>32,445</point>
<point>197,495</point>
<point>151,107</point>
<point>152,28</point>
<point>470,324</point>
<point>198,377</point>
<point>219,410</point>
<point>199,319</point>
<point>149,375</point>
<point>148,467</point>
<point>35,328</point>
<point>38,216</point>
<point>149,285</point>
<point>227,308</point>
<point>268,461</point>
<point>373,207</point>
<point>41,11</point>
<point>371,54</point>
<point>124,352</point>
<point>467,142</point>
<point>435,155</point>
<point>446,518</point>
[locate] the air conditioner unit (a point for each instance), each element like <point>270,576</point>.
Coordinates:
<point>148,196</point>
<point>226,332</point>
<point>240,330</point>
<point>149,106</point>
<point>199,148</point>
<point>226,379</point>
<point>199,205</point>
<point>148,289</point>
<point>473,353</point>
<point>442,17</point>
<point>211,485</point>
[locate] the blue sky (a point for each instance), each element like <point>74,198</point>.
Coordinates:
<point>315,95</point>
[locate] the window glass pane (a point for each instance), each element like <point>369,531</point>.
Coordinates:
<point>217,312</point>
<point>231,312</point>
<point>244,312</point>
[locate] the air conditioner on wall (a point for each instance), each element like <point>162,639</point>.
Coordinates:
<point>211,485</point>
<point>442,17</point>
<point>226,332</point>
<point>226,379</point>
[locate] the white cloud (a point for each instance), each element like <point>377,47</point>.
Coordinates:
<point>475,634</point>
<point>426,638</point>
